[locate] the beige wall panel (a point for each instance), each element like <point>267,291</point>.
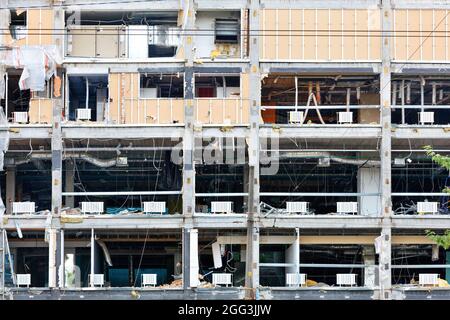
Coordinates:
<point>297,37</point>
<point>114,95</point>
<point>232,111</point>
<point>202,112</point>
<point>322,38</point>
<point>336,35</point>
<point>40,111</point>
<point>83,42</point>
<point>336,38</point>
<point>178,111</point>
<point>310,35</point>
<point>283,34</point>
<point>245,86</point>
<point>362,39</point>
<point>427,27</point>
<point>375,26</point>
<point>165,111</point>
<point>349,38</point>
<point>217,111</point>
<point>107,42</point>
<point>440,48</point>
<point>38,20</point>
<point>414,39</point>
<point>151,111</point>
<point>400,39</point>
<point>270,42</point>
<point>246,111</point>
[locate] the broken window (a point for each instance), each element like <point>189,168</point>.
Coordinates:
<point>47,93</point>
<point>420,100</point>
<point>113,34</point>
<point>226,31</point>
<point>161,85</point>
<point>88,97</point>
<point>320,99</point>
<point>18,25</point>
<point>217,86</point>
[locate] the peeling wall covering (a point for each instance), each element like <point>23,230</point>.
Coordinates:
<point>38,63</point>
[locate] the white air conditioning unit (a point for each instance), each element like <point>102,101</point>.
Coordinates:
<point>92,207</point>
<point>23,207</point>
<point>345,117</point>
<point>346,279</point>
<point>428,279</point>
<point>20,117</point>
<point>427,207</point>
<point>23,279</point>
<point>155,207</point>
<point>297,207</point>
<point>97,279</point>
<point>347,207</point>
<point>426,117</point>
<point>295,279</point>
<point>222,279</point>
<point>296,116</point>
<point>149,279</point>
<point>221,207</point>
<point>84,114</point>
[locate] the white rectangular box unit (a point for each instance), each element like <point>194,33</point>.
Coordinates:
<point>221,207</point>
<point>23,279</point>
<point>295,279</point>
<point>426,117</point>
<point>346,279</point>
<point>83,114</point>
<point>97,279</point>
<point>347,207</point>
<point>297,207</point>
<point>20,117</point>
<point>296,116</point>
<point>222,279</point>
<point>155,207</point>
<point>23,207</point>
<point>149,279</point>
<point>427,207</point>
<point>345,117</point>
<point>428,279</point>
<point>92,207</point>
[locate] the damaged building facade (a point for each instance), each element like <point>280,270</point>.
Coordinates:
<point>236,149</point>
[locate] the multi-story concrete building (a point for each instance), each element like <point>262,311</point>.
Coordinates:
<point>259,144</point>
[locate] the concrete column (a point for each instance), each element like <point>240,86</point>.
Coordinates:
<point>252,258</point>
<point>188,148</point>
<point>69,181</point>
<point>10,188</point>
<point>385,154</point>
<point>293,255</point>
<point>369,182</point>
<point>60,258</point>
<point>54,243</point>
<point>52,250</point>
<point>369,272</point>
<point>190,258</point>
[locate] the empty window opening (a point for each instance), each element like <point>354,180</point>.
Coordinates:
<point>88,93</point>
<point>161,85</point>
<point>226,31</point>
<point>217,86</point>
<point>279,100</point>
<point>18,25</point>
<point>112,34</point>
<point>420,100</point>
<point>18,100</point>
